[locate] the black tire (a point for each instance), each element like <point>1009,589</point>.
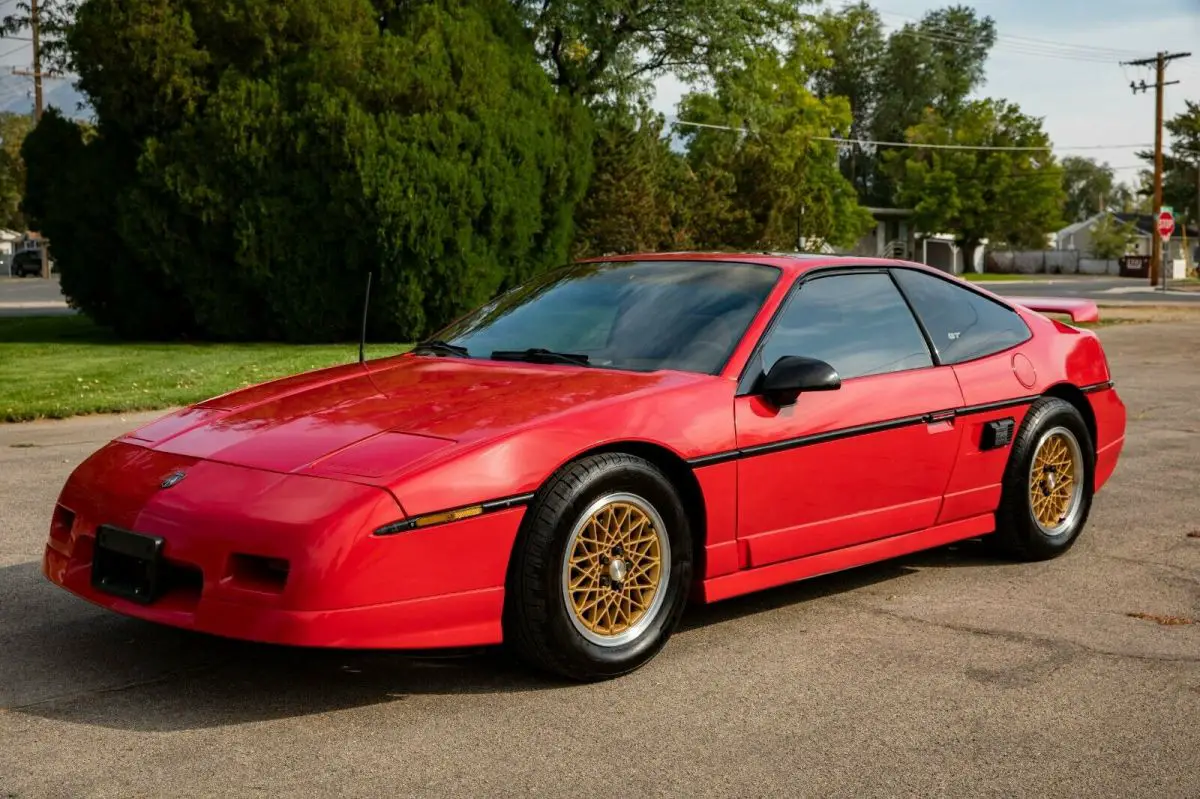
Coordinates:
<point>1018,531</point>
<point>538,625</point>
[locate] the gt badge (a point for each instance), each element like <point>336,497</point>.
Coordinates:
<point>171,479</point>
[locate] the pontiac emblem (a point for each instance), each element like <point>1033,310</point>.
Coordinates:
<point>172,479</point>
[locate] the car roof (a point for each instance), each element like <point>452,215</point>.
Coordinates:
<point>789,263</point>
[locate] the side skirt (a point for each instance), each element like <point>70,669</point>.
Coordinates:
<point>745,582</point>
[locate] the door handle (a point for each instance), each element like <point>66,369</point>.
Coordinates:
<point>940,416</point>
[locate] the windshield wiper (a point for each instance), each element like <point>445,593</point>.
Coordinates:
<point>540,355</point>
<point>438,347</point>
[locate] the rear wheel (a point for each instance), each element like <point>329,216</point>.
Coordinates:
<point>601,569</point>
<point>1048,484</point>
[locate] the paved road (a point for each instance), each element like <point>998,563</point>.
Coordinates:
<point>945,673</point>
<point>1103,289</point>
<point>31,296</point>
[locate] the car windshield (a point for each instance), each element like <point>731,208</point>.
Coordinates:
<point>636,315</point>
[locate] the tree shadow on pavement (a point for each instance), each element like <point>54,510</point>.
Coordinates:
<point>64,659</point>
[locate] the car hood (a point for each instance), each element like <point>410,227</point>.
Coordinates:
<point>408,406</point>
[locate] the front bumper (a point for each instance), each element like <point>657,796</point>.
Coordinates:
<point>429,588</point>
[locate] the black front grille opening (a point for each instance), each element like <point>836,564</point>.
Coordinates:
<point>258,573</point>
<point>182,579</point>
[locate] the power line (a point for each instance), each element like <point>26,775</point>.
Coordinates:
<point>1022,39</point>
<point>1004,48</point>
<point>978,146</point>
<point>923,146</point>
<point>919,145</point>
<point>16,49</point>
<point>1044,45</point>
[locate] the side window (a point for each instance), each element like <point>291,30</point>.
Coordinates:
<point>963,325</point>
<point>857,323</point>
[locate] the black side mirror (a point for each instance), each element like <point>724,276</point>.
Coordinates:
<point>793,374</point>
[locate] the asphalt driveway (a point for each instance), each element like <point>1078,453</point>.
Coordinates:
<point>944,673</point>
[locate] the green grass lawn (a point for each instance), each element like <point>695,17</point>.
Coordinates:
<point>57,366</point>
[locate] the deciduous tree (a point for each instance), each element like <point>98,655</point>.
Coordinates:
<point>1090,188</point>
<point>852,42</point>
<point>55,18</point>
<point>1112,238</point>
<point>1012,198</point>
<point>1181,163</point>
<point>614,47</point>
<point>784,184</point>
<point>13,129</point>
<point>892,80</point>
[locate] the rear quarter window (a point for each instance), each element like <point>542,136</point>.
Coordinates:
<point>962,324</point>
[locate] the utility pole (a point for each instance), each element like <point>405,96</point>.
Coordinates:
<point>36,74</point>
<point>37,60</point>
<point>1159,62</point>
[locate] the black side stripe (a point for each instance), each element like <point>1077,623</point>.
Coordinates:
<point>1092,389</point>
<point>857,430</point>
<point>997,406</point>
<point>491,506</point>
<point>517,500</point>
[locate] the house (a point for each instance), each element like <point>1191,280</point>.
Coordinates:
<point>1079,237</point>
<point>8,239</point>
<point>894,236</point>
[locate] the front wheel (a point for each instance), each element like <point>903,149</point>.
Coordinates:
<point>601,569</point>
<point>1048,484</point>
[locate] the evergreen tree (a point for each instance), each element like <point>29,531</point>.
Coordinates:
<point>630,205</point>
<point>252,161</point>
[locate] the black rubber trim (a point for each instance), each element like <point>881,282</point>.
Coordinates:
<point>998,405</point>
<point>507,502</point>
<point>491,506</point>
<point>912,309</point>
<point>945,415</point>
<point>746,377</point>
<point>1092,389</point>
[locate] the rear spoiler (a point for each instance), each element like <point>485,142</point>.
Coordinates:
<point>1079,310</point>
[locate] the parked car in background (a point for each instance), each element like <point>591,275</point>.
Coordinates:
<point>28,263</point>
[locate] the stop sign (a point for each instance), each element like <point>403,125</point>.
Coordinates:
<point>1166,224</point>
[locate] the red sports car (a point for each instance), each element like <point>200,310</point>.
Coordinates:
<point>562,468</point>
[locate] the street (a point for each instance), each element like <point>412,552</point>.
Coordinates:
<point>31,296</point>
<point>1101,289</point>
<point>944,673</point>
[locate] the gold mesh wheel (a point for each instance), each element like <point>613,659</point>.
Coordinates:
<point>1055,481</point>
<point>615,569</point>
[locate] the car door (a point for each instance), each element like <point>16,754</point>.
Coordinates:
<point>866,461</point>
<point>981,340</point>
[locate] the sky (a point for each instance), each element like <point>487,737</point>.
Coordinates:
<point>1082,102</point>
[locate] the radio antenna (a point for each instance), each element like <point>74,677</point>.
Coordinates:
<point>362,339</point>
